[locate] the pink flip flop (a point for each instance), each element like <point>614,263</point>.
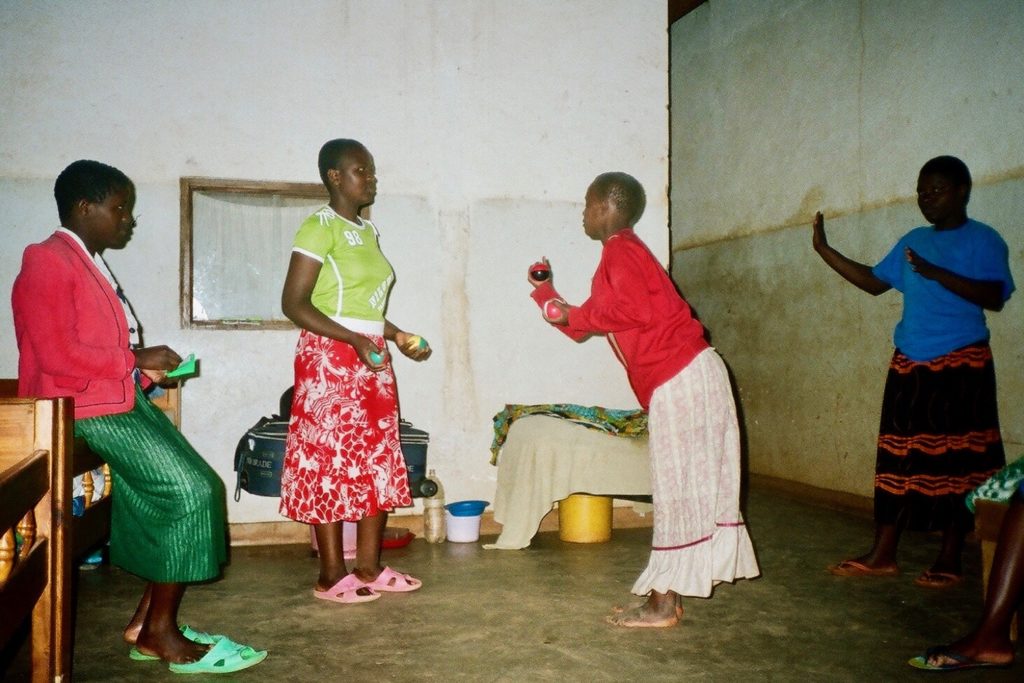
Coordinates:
<point>856,568</point>
<point>347,591</point>
<point>930,579</point>
<point>390,581</point>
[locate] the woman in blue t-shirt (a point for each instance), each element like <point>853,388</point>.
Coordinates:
<point>939,434</point>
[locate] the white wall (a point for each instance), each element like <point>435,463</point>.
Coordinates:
<point>487,120</point>
<point>784,107</point>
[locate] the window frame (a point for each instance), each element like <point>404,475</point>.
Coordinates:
<point>188,186</point>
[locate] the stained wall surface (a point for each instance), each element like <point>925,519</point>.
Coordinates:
<point>487,121</point>
<point>783,108</point>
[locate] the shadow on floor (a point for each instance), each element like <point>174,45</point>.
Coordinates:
<point>538,614</point>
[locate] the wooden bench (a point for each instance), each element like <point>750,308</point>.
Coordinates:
<point>35,439</point>
<point>65,539</point>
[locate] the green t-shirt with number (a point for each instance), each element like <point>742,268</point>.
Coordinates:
<point>355,278</point>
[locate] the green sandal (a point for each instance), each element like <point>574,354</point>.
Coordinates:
<point>224,657</point>
<point>200,637</point>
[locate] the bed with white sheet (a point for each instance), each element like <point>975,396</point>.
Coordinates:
<point>545,459</point>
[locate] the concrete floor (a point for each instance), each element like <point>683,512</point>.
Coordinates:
<point>538,614</point>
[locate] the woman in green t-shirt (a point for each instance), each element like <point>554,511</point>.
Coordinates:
<point>343,459</point>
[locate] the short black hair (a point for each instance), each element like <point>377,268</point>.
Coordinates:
<point>333,152</point>
<point>89,180</point>
<point>952,169</point>
<point>625,192</point>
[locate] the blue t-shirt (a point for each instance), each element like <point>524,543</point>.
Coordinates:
<point>935,320</point>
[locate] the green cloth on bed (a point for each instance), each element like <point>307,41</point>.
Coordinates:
<point>1001,486</point>
<point>614,421</point>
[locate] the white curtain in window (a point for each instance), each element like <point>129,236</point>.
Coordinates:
<point>241,244</point>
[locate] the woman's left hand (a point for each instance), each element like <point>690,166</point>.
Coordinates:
<point>413,346</point>
<point>921,266</point>
<point>156,376</point>
<point>558,306</point>
<point>985,293</point>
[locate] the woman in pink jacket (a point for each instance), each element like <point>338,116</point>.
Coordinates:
<point>77,337</point>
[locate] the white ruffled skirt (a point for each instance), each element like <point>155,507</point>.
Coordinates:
<point>700,538</point>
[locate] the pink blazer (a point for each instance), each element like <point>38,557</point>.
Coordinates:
<point>71,330</point>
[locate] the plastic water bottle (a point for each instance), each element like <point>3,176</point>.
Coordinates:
<point>433,513</point>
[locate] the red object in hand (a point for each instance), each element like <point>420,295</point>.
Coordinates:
<point>540,271</point>
<point>551,310</point>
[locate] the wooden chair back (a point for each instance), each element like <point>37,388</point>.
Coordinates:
<point>39,460</point>
<point>35,439</point>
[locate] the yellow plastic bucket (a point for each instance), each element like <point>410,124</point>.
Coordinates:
<point>585,519</point>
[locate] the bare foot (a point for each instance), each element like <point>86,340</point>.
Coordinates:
<point>877,563</point>
<point>661,610</point>
<point>619,609</point>
<point>131,633</point>
<point>644,617</point>
<point>171,646</point>
<point>368,575</point>
<point>321,587</point>
<point>998,653</point>
<point>328,578</point>
<point>855,567</point>
<point>177,650</point>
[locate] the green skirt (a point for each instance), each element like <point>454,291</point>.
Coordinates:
<point>169,509</point>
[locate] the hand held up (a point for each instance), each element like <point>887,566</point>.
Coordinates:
<point>539,272</point>
<point>818,238</point>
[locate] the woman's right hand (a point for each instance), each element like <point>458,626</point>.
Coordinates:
<point>156,358</point>
<point>364,347</point>
<point>156,361</point>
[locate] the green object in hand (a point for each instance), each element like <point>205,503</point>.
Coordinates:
<point>416,342</point>
<point>185,368</point>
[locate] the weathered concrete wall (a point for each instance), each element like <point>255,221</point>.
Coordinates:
<point>783,108</point>
<point>487,121</point>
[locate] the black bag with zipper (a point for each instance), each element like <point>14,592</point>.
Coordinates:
<point>260,453</point>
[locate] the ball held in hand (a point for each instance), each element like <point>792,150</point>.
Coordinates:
<point>540,271</point>
<point>551,310</point>
<point>376,357</point>
<point>416,342</point>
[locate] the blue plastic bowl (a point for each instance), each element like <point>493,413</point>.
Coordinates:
<point>466,508</point>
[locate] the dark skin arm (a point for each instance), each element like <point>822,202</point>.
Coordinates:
<point>854,272</point>
<point>403,339</point>
<point>985,293</point>
<point>297,306</point>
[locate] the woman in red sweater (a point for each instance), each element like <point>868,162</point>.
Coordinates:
<point>699,535</point>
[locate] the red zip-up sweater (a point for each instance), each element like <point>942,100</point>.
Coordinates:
<point>635,304</point>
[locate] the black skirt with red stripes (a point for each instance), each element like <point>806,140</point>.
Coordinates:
<point>938,439</point>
